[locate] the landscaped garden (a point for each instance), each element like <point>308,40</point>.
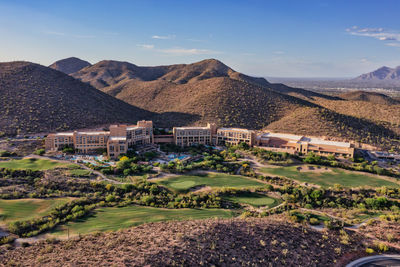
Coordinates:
<point>111,219</point>
<point>326,176</point>
<point>184,183</point>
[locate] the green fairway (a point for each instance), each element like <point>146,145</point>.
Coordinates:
<point>183,183</point>
<point>254,199</point>
<point>32,164</point>
<point>111,219</point>
<point>327,177</point>
<point>25,209</point>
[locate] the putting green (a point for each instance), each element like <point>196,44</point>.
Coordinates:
<point>254,199</point>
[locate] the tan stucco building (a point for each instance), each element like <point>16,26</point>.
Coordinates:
<point>295,144</point>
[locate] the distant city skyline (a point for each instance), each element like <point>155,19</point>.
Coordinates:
<point>287,38</point>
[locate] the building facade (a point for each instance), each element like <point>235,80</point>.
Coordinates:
<point>296,144</point>
<point>188,136</point>
<point>116,141</point>
<point>235,136</point>
<point>120,138</point>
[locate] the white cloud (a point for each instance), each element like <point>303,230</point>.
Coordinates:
<point>185,51</point>
<point>377,33</point>
<point>146,46</point>
<point>279,52</point>
<point>163,37</point>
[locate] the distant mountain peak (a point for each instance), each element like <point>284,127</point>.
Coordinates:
<point>70,65</point>
<point>382,74</point>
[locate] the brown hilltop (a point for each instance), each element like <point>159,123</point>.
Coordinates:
<point>69,65</point>
<point>208,89</point>
<point>38,99</point>
<point>372,97</point>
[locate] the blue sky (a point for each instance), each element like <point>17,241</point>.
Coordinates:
<point>281,38</point>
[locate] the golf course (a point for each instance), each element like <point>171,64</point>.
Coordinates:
<point>25,209</point>
<point>254,199</point>
<point>327,177</point>
<point>114,218</point>
<point>183,183</point>
<point>33,164</point>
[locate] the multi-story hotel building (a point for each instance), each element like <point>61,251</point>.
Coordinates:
<point>116,141</point>
<point>188,136</point>
<point>235,136</point>
<point>301,144</point>
<point>122,137</point>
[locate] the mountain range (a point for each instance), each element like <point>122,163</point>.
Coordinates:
<point>381,74</point>
<point>40,99</point>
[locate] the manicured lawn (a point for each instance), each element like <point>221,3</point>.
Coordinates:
<point>328,178</point>
<point>254,199</point>
<point>32,164</point>
<point>111,219</point>
<point>183,183</point>
<point>25,209</point>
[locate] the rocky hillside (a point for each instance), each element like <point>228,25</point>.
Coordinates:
<point>372,97</point>
<point>69,65</point>
<point>208,89</point>
<point>250,242</point>
<point>35,99</point>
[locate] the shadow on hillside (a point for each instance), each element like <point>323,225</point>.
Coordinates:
<point>170,119</point>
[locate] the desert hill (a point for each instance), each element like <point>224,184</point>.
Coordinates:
<point>38,99</point>
<point>213,92</point>
<point>208,89</point>
<point>372,97</point>
<point>223,242</point>
<point>69,65</point>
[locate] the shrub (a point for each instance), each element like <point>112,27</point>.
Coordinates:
<point>369,250</point>
<point>314,221</point>
<point>39,152</point>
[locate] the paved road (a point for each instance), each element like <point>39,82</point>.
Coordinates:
<point>377,260</point>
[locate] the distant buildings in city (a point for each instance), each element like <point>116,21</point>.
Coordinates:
<point>120,138</point>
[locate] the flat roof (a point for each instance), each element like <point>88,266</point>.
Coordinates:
<point>236,129</point>
<point>134,128</point>
<point>192,128</point>
<point>118,138</point>
<point>317,141</point>
<point>66,134</point>
<point>282,135</point>
<point>94,132</point>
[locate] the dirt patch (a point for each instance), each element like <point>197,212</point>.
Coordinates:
<point>201,188</point>
<point>315,169</point>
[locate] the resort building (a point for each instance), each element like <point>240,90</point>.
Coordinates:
<point>235,136</point>
<point>295,144</point>
<point>89,142</point>
<point>120,138</point>
<point>116,141</point>
<point>58,141</point>
<point>188,136</point>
